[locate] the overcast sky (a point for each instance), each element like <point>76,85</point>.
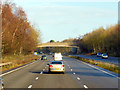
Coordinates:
<point>63,19</point>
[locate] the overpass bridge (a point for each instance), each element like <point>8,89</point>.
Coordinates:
<point>57,47</point>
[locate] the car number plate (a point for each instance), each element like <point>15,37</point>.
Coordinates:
<point>56,68</point>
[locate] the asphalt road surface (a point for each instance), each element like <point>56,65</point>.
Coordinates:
<point>77,75</point>
<point>114,60</point>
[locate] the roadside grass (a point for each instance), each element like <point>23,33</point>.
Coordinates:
<point>17,60</point>
<point>105,65</point>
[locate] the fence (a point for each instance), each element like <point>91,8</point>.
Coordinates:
<point>5,64</point>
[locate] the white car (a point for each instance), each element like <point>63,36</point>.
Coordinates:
<point>56,66</point>
<point>104,56</point>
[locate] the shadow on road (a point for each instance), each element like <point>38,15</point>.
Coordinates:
<point>45,72</point>
<point>37,72</point>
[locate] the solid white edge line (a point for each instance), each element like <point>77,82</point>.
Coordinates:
<point>85,86</point>
<point>30,86</point>
<point>100,70</point>
<point>16,69</point>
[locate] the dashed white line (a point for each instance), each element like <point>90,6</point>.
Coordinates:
<point>78,78</point>
<point>85,86</point>
<point>36,78</point>
<point>73,73</point>
<point>71,69</point>
<point>30,86</point>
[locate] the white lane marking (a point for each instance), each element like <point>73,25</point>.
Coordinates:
<point>78,78</point>
<point>30,86</point>
<point>71,69</point>
<point>16,69</point>
<point>73,73</point>
<point>85,86</point>
<point>41,73</point>
<point>2,87</point>
<point>36,78</point>
<point>100,70</point>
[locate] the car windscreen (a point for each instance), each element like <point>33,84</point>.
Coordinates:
<point>104,54</point>
<point>56,62</point>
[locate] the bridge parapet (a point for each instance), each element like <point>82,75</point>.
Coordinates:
<point>55,44</point>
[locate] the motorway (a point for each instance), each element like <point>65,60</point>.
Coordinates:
<point>114,60</point>
<point>77,75</point>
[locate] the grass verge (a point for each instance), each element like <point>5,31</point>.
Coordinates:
<point>105,65</point>
<point>17,60</point>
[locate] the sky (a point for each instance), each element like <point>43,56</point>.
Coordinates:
<point>64,19</point>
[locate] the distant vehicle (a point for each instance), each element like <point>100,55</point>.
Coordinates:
<point>104,55</point>
<point>58,57</point>
<point>99,54</point>
<point>51,53</point>
<point>56,66</point>
<point>1,83</point>
<point>44,57</point>
<point>35,53</point>
<point>41,52</point>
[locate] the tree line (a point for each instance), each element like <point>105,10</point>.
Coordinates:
<point>18,35</point>
<point>100,40</point>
